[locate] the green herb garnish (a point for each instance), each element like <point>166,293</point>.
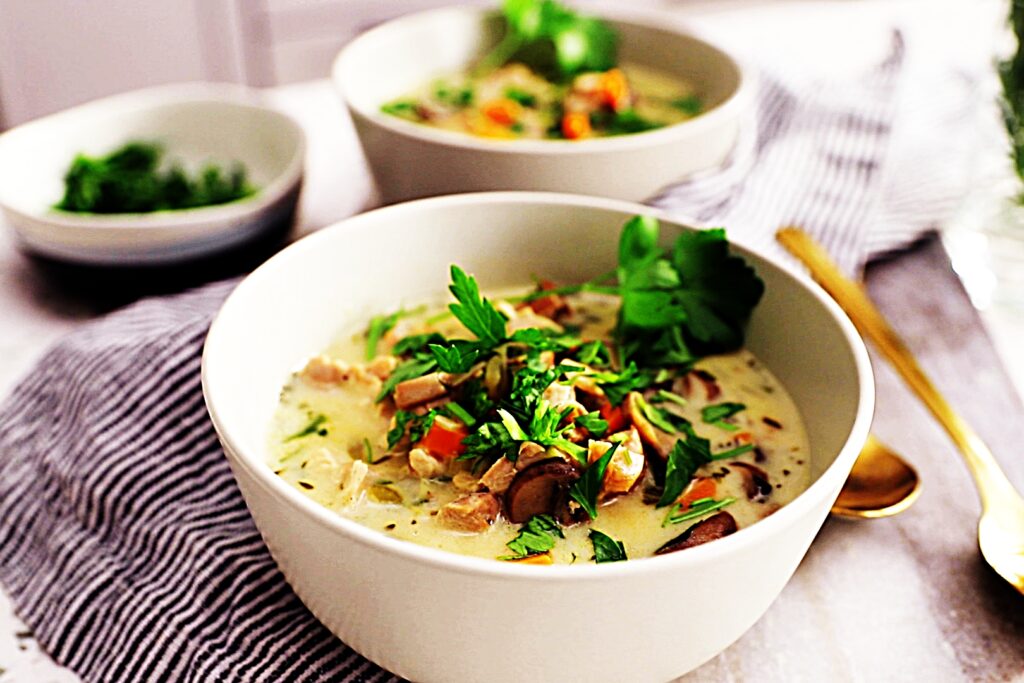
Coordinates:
<point>690,104</point>
<point>676,307</point>
<point>697,508</point>
<point>315,426</point>
<point>606,548</point>
<point>686,456</point>
<point>586,488</point>
<point>129,180</point>
<point>733,452</point>
<point>717,413</point>
<point>476,313</point>
<point>536,536</point>
<point>552,40</point>
<point>593,423</point>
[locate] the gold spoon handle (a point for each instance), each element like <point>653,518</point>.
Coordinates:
<point>991,481</point>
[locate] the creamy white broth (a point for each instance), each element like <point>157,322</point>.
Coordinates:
<point>320,463</point>
<point>651,96</point>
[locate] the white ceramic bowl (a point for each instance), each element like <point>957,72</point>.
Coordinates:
<point>430,615</point>
<point>410,160</point>
<point>196,123</point>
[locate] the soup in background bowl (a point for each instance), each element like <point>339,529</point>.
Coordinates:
<point>411,160</point>
<point>410,607</point>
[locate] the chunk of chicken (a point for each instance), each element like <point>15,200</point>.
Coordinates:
<point>353,484</point>
<point>412,392</point>
<point>626,465</point>
<point>424,464</point>
<point>325,370</point>
<point>499,475</point>
<point>473,512</point>
<point>529,453</point>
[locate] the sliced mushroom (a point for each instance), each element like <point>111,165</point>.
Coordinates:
<point>657,439</point>
<point>539,488</point>
<point>710,529</point>
<point>472,512</point>
<point>755,481</point>
<point>684,385</point>
<point>418,390</point>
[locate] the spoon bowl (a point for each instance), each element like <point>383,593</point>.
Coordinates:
<point>1001,527</point>
<point>881,484</point>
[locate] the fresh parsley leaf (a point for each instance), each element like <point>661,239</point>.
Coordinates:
<point>593,423</point>
<point>379,326</point>
<point>720,411</point>
<point>616,385</point>
<point>410,369</point>
<point>718,291</point>
<point>477,314</point>
<point>699,299</point>
<point>594,354</point>
<point>553,40</point>
<point>416,343</point>
<point>459,413</point>
<point>662,396</point>
<point>588,486</point>
<point>456,357</point>
<point>689,104</point>
<point>315,425</point>
<point>623,122</point>
<point>537,536</point>
<point>521,96</point>
<point>697,508</point>
<point>663,419</point>
<point>545,339</point>
<point>606,548</point>
<point>733,452</point>
<point>416,425</point>
<point>491,440</point>
<point>683,460</point>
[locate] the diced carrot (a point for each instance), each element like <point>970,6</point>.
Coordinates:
<point>703,487</point>
<point>548,306</point>
<point>504,112</point>
<point>615,416</point>
<point>743,438</point>
<point>614,89</point>
<point>575,125</point>
<point>539,558</point>
<point>444,438</point>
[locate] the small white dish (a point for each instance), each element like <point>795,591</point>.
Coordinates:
<point>197,123</point>
<point>410,160</point>
<point>430,615</point>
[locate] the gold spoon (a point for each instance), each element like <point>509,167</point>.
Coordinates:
<point>881,484</point>
<point>1001,527</point>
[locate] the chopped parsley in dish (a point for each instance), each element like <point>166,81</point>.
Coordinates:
<point>554,75</point>
<point>594,422</point>
<point>135,179</point>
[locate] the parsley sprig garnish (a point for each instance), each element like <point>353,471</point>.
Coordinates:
<point>606,548</point>
<point>538,535</point>
<point>697,508</point>
<point>678,306</point>
<point>552,40</point>
<point>586,488</point>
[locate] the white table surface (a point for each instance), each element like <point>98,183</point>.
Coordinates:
<point>834,37</point>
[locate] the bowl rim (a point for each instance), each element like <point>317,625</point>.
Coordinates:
<point>154,98</point>
<point>333,522</point>
<point>729,108</point>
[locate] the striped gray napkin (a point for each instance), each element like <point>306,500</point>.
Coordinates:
<point>126,546</point>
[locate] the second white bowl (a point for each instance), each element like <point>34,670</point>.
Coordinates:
<point>411,160</point>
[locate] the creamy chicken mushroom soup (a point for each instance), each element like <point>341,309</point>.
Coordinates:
<point>534,428</point>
